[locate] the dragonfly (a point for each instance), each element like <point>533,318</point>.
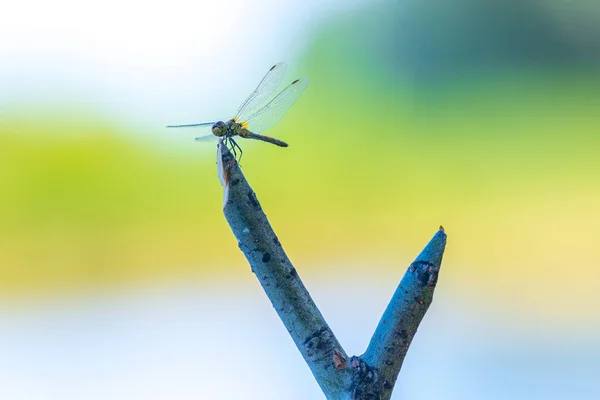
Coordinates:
<point>256,115</point>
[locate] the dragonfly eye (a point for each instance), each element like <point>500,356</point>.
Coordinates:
<point>219,128</point>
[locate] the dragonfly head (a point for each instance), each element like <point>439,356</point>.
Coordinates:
<point>219,129</point>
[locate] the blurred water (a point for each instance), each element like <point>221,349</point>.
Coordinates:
<point>192,341</point>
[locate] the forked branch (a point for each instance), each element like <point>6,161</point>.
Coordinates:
<point>370,376</point>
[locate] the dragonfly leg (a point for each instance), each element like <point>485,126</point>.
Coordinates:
<point>230,147</point>
<point>235,146</point>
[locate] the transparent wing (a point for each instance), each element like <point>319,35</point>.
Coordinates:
<point>192,125</point>
<point>270,114</point>
<point>263,91</point>
<point>206,138</point>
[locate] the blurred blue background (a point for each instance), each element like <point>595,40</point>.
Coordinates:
<point>120,279</point>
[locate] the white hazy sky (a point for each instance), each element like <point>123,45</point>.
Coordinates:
<point>146,62</point>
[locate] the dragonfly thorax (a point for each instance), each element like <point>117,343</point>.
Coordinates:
<point>228,129</point>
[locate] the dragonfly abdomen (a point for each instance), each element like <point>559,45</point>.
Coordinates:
<point>267,139</point>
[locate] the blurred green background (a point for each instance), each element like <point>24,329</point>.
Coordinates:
<point>116,260</point>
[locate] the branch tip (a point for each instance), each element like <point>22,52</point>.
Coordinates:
<point>434,250</point>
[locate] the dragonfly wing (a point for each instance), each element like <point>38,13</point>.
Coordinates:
<point>270,114</point>
<point>206,138</point>
<point>192,125</point>
<point>263,91</point>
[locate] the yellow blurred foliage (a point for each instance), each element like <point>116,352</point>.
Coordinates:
<point>513,177</point>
